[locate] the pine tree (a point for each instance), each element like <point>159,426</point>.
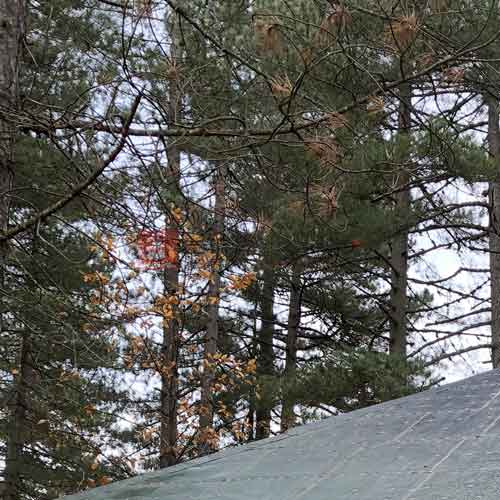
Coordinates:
<point>13,19</point>
<point>281,157</point>
<point>56,336</point>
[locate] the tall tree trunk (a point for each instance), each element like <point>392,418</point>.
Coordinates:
<point>265,359</point>
<point>252,402</point>
<point>12,19</point>
<point>18,422</point>
<point>11,34</point>
<point>399,254</point>
<point>169,375</point>
<point>170,342</point>
<point>207,435</point>
<point>294,312</point>
<point>494,237</point>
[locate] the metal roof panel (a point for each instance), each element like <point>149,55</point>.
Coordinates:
<point>442,444</point>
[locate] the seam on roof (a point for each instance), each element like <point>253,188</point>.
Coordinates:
<point>327,474</point>
<point>435,467</point>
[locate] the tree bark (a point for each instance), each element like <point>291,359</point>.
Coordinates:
<point>265,359</point>
<point>207,435</point>
<point>170,342</point>
<point>18,422</point>
<point>294,313</point>
<point>12,20</point>
<point>399,254</point>
<point>494,236</point>
<point>252,402</point>
<point>11,35</point>
<point>169,375</point>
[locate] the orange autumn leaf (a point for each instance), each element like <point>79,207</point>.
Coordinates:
<point>89,409</point>
<point>104,480</point>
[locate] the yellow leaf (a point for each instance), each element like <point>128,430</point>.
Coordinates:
<point>205,274</point>
<point>89,277</point>
<point>252,366</point>
<point>177,214</point>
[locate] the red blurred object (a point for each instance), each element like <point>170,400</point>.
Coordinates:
<point>158,248</point>
<point>356,243</point>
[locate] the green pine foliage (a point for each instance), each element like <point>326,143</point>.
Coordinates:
<point>299,103</point>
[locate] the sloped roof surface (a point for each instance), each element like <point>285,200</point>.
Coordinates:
<point>443,444</point>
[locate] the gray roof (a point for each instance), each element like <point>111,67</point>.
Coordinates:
<point>439,444</point>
